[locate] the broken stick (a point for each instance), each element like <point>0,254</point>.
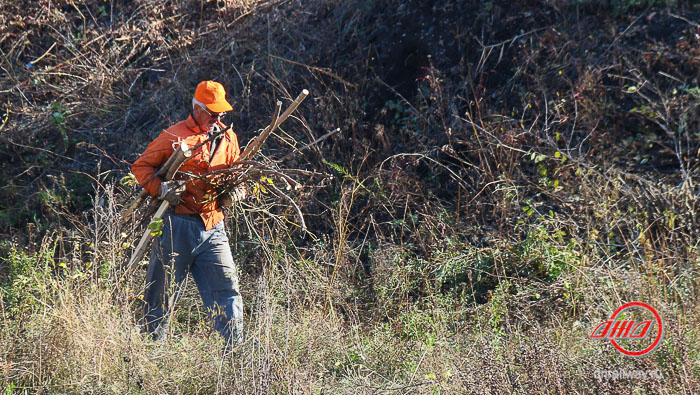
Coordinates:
<point>254,146</point>
<point>178,158</point>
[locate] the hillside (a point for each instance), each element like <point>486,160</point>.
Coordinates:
<point>506,175</point>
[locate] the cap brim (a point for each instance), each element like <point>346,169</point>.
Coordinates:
<point>220,107</point>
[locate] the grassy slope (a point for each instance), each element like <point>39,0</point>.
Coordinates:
<point>508,174</point>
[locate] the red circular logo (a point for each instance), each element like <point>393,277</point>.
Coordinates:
<point>657,340</point>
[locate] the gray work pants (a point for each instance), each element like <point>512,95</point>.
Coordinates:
<point>185,246</point>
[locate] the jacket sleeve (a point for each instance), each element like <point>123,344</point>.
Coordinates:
<point>146,166</point>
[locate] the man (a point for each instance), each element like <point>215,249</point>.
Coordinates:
<point>193,237</point>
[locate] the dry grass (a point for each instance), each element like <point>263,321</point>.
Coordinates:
<point>507,174</point>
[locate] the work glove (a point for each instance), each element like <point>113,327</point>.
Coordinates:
<point>228,198</point>
<point>171,191</point>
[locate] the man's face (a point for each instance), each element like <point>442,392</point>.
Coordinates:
<point>205,118</point>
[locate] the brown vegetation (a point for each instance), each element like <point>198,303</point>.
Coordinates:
<point>507,174</point>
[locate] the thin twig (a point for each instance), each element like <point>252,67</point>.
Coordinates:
<point>318,140</point>
<point>320,70</point>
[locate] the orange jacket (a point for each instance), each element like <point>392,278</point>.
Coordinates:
<point>197,198</point>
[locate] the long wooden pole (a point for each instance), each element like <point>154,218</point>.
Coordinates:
<point>179,157</point>
<point>254,146</point>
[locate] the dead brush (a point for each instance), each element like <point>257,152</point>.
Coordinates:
<point>475,154</point>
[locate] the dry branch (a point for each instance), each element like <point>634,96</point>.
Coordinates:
<point>255,145</point>
<point>178,158</point>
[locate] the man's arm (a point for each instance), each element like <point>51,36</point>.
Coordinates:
<point>146,166</point>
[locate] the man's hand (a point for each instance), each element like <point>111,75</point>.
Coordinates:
<point>171,191</point>
<point>227,199</point>
<point>239,193</point>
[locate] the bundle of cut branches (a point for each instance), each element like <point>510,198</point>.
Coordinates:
<point>262,177</point>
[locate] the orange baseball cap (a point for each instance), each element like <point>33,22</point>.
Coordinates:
<point>212,95</point>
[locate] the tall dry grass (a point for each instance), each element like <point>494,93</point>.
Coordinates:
<point>498,191</point>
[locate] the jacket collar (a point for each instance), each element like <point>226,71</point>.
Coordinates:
<point>192,125</point>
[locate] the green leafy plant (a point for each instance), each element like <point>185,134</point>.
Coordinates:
<point>156,227</point>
